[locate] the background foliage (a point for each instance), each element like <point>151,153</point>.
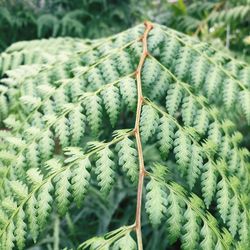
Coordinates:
<point>223,22</point>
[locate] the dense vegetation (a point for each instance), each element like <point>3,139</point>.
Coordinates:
<point>219,21</point>
<point>137,140</point>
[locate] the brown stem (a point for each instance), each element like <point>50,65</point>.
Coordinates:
<point>140,99</point>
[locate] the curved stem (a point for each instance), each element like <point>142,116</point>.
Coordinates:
<point>140,99</point>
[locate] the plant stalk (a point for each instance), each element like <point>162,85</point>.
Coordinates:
<point>140,99</point>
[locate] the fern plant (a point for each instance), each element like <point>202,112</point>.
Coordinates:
<point>220,22</point>
<point>81,123</point>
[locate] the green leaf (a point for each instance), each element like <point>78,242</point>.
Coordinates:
<point>124,63</point>
<point>165,135</point>
<point>20,230</point>
<point>198,70</point>
<point>105,169</point>
<point>150,72</point>
<point>80,179</point>
<point>111,100</point>
<point>31,211</point>
<point>127,155</point>
<point>244,229</point>
<point>148,122</point>
<point>173,98</point>
<point>191,228</point>
<point>208,238</point>
<point>229,93</point>
<point>77,124</point>
<point>208,183</point>
<point>62,193</point>
<point>214,134</point>
<point>233,216</point>
<point>182,148</point>
<point>223,198</point>
<point>9,240</point>
<point>159,90</point>
<point>195,165</point>
<point>183,62</point>
<point>35,176</point>
<point>109,71</point>
<point>188,110</point>
<point>94,112</point>
<point>62,130</point>
<point>125,243</point>
<point>201,121</point>
<point>156,201</point>
<point>244,101</point>
<point>20,190</point>
<point>213,78</point>
<point>32,155</point>
<point>170,49</point>
<point>128,92</point>
<point>44,200</point>
<point>46,145</point>
<point>175,216</point>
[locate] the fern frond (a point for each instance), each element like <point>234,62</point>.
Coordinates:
<point>60,110</point>
<point>57,177</point>
<point>230,15</point>
<point>222,68</point>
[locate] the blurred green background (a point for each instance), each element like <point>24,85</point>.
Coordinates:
<point>223,22</point>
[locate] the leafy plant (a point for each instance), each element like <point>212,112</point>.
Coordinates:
<point>221,22</point>
<point>26,20</point>
<point>72,126</point>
